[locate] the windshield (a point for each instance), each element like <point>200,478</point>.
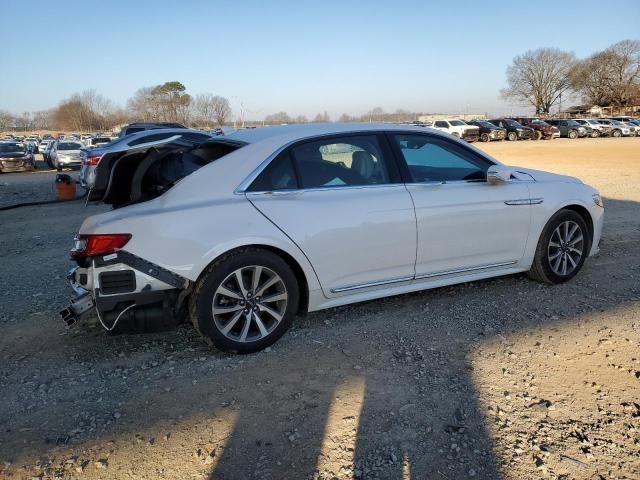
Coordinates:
<point>101,140</point>
<point>540,122</point>
<point>572,123</point>
<point>457,123</point>
<point>11,148</point>
<point>484,124</point>
<point>512,123</point>
<point>69,146</point>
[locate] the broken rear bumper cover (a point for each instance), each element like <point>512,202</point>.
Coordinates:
<point>122,288</point>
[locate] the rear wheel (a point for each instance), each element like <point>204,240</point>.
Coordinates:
<point>562,248</point>
<point>595,134</point>
<point>616,133</point>
<point>537,135</point>
<point>245,301</point>
<point>572,134</point>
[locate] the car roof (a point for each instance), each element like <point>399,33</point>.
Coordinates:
<point>290,133</point>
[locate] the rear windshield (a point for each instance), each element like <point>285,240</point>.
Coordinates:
<point>69,146</point>
<point>11,148</point>
<point>100,140</point>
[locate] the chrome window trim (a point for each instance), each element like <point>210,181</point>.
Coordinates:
<point>241,189</point>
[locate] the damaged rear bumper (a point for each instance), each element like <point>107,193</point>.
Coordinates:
<point>126,290</point>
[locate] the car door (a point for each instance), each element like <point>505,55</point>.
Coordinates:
<point>342,201</point>
<point>464,223</point>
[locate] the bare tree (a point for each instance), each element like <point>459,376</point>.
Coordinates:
<point>277,118</point>
<point>610,77</point>
<point>322,118</point>
<point>203,110</point>
<point>6,120</point>
<point>539,77</point>
<point>301,119</point>
<point>167,103</point>
<point>221,110</point>
<point>375,115</point>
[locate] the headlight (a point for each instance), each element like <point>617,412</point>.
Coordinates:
<point>597,199</point>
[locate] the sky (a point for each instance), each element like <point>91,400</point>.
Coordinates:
<point>301,57</point>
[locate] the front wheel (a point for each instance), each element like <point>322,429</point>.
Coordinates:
<point>537,135</point>
<point>484,137</point>
<point>245,301</point>
<point>572,134</point>
<point>562,248</point>
<point>617,133</point>
<point>512,136</point>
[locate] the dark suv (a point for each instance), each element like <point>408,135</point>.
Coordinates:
<point>488,131</point>
<point>569,128</point>
<point>515,131</point>
<point>542,130</point>
<point>141,126</point>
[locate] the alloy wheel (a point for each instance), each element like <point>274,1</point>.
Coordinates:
<point>249,304</point>
<point>565,248</point>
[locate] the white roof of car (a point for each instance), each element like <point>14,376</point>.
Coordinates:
<point>290,133</point>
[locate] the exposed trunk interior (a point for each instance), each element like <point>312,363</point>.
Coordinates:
<point>125,178</point>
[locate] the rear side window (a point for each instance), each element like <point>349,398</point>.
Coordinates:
<point>339,162</point>
<point>278,175</point>
<point>134,130</point>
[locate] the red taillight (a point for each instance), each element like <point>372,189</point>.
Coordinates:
<point>91,159</point>
<point>100,244</point>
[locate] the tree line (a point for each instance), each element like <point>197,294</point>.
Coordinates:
<point>91,111</point>
<point>608,78</point>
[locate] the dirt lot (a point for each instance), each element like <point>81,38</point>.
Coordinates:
<point>502,379</point>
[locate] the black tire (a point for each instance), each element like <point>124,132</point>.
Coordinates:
<point>616,133</point>
<point>512,136</point>
<point>484,137</point>
<point>572,134</point>
<point>595,134</point>
<point>537,135</point>
<point>202,298</point>
<point>541,268</point>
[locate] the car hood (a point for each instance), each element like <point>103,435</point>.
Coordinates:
<point>542,176</point>
<point>13,155</point>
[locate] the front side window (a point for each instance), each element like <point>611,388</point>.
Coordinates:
<point>435,160</point>
<point>339,162</point>
<point>441,124</point>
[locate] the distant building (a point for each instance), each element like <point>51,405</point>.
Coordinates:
<point>460,116</point>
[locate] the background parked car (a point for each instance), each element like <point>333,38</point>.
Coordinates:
<point>541,128</point>
<point>568,128</point>
<point>90,158</point>
<point>65,153</point>
<point>488,131</point>
<point>599,130</point>
<point>141,126</point>
<point>14,157</point>
<point>617,129</point>
<point>459,129</point>
<point>94,142</point>
<point>515,131</point>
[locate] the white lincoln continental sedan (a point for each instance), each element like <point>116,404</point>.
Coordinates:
<point>244,231</point>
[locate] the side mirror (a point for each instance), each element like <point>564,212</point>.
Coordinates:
<point>498,174</point>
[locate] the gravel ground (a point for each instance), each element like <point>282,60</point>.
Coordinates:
<point>500,379</point>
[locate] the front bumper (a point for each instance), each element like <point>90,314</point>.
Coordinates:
<point>10,166</point>
<point>525,135</point>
